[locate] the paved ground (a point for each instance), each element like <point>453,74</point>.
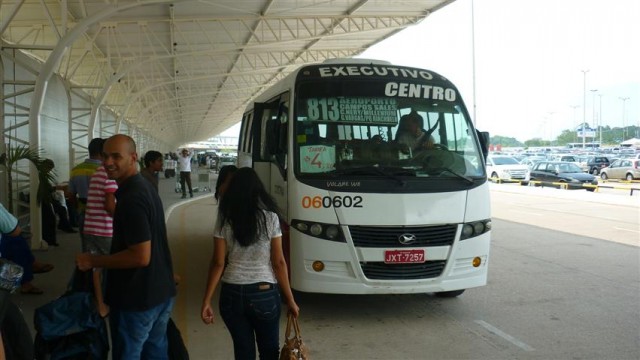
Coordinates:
<point>541,302</point>
<point>54,283</point>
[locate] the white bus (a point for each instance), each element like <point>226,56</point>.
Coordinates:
<point>364,213</point>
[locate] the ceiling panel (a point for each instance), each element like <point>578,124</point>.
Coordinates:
<point>184,71</point>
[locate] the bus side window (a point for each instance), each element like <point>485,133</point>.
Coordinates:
<point>276,137</point>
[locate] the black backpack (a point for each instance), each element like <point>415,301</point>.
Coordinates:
<point>70,327</point>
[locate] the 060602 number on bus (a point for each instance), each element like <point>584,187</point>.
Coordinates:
<point>318,202</point>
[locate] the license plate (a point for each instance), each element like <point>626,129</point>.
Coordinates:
<point>404,256</point>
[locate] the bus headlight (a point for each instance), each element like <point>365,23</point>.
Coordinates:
<point>475,228</point>
<point>467,231</point>
<point>332,232</point>
<point>323,231</point>
<point>316,229</point>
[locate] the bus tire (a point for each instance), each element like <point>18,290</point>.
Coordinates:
<point>449,294</point>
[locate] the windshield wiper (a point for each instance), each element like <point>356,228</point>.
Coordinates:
<point>452,172</point>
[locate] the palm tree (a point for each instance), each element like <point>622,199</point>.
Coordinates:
<point>22,152</point>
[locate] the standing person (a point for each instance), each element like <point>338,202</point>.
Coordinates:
<point>50,207</point>
<point>98,225</point>
<point>248,231</point>
<point>81,175</point>
<point>140,288</point>
<point>153,163</point>
<point>184,165</point>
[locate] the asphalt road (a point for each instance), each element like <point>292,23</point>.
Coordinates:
<point>563,284</point>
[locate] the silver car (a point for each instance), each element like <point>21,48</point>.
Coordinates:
<point>628,169</point>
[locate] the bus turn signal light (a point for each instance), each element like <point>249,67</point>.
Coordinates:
<point>318,265</point>
<point>476,262</point>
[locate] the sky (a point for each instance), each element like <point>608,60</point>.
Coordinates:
<point>533,59</point>
<point>529,61</point>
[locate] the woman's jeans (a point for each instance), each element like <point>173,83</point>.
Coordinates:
<point>252,315</point>
<point>140,334</point>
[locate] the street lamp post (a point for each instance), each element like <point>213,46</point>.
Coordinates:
<point>575,127</point>
<point>550,121</point>
<point>624,129</point>
<point>593,106</point>
<point>584,105</point>
<point>600,117</point>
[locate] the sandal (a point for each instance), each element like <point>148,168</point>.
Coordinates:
<point>42,268</point>
<point>32,290</point>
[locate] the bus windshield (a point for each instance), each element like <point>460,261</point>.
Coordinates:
<point>367,127</point>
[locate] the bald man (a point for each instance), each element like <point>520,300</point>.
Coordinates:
<point>140,284</point>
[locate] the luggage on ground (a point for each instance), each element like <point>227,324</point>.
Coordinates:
<point>70,326</point>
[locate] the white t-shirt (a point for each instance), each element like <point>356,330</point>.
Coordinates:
<point>184,163</point>
<point>250,264</point>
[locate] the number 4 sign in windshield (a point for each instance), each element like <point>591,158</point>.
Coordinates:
<point>317,158</point>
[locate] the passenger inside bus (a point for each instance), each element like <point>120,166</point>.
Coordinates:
<point>411,133</point>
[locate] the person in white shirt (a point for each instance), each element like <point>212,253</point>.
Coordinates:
<point>249,261</point>
<point>184,166</point>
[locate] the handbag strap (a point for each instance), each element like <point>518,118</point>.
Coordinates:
<point>292,322</point>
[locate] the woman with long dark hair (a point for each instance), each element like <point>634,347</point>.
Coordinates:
<point>224,177</point>
<point>248,230</point>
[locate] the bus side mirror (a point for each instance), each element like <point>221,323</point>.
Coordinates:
<point>485,139</point>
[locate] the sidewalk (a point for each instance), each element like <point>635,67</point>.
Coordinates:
<point>55,282</point>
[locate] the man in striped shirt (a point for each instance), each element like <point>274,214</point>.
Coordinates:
<point>80,177</point>
<point>98,225</point>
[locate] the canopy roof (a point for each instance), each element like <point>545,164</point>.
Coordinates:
<point>185,70</point>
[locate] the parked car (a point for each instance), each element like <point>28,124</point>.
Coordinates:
<point>532,160</point>
<point>562,173</point>
<point>596,163</point>
<point>226,160</point>
<point>569,158</point>
<point>628,169</point>
<point>582,162</point>
<point>506,168</point>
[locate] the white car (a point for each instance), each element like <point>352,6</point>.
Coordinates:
<point>506,168</point>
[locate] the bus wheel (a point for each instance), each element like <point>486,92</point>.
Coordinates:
<point>449,294</point>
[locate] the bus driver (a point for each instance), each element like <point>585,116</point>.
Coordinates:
<point>411,134</point>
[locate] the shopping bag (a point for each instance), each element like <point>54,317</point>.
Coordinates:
<point>294,348</point>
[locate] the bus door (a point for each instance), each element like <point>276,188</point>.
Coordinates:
<point>269,155</point>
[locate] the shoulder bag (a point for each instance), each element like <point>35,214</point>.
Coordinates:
<point>294,348</point>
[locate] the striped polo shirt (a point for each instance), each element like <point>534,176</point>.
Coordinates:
<point>97,220</point>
